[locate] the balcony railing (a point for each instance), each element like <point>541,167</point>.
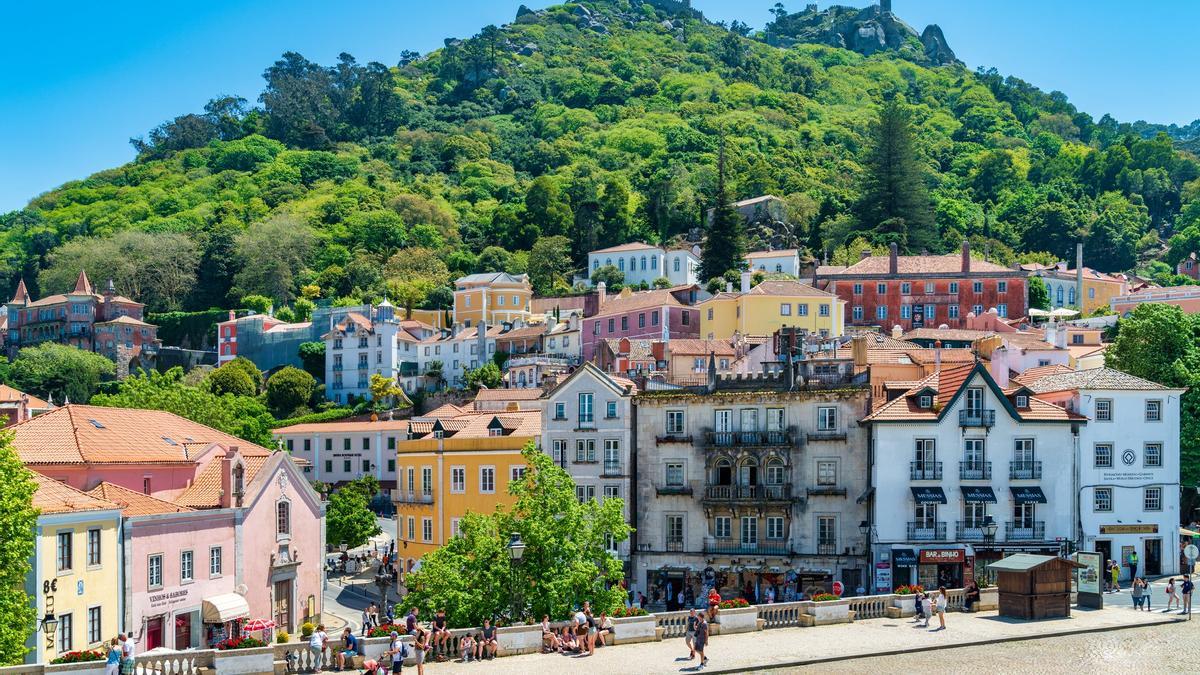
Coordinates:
<point>748,492</point>
<point>925,470</point>
<point>417,497</point>
<point>975,470</point>
<point>673,490</point>
<point>723,439</point>
<point>670,437</point>
<point>1025,470</point>
<point>926,532</point>
<point>733,547</point>
<point>612,469</point>
<point>826,547</point>
<point>976,418</point>
<point>674,544</point>
<point>1028,531</point>
<point>969,530</point>
<point>827,435</point>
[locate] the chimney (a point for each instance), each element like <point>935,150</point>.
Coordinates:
<point>937,355</point>
<point>1050,331</point>
<point>897,332</point>
<point>745,281</point>
<point>858,348</point>
<point>999,365</point>
<point>728,286</point>
<point>227,477</point>
<point>966,257</point>
<point>893,261</point>
<point>232,314</point>
<point>864,255</point>
<point>1079,275</point>
<point>1060,336</point>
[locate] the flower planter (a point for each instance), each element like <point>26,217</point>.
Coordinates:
<point>989,598</point>
<point>829,612</point>
<point>245,661</point>
<point>740,620</point>
<point>85,668</point>
<point>633,629</point>
<point>905,605</point>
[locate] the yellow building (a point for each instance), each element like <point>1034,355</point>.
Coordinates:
<point>76,575</point>
<point>494,297</point>
<point>1098,287</point>
<point>455,462</point>
<point>769,306</point>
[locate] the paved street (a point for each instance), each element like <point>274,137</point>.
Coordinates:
<point>344,599</point>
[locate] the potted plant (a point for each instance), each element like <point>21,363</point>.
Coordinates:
<point>827,608</point>
<point>79,657</point>
<point>737,615</point>
<point>633,624</point>
<point>904,598</point>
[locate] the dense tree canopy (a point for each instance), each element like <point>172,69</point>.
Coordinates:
<point>18,525</point>
<point>60,372</point>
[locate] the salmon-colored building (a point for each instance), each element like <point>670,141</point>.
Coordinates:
<point>1186,298</point>
<point>915,291</point>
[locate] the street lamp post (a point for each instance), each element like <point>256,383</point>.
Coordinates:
<point>989,531</point>
<point>516,549</point>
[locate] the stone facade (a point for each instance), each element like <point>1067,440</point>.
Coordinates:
<point>745,482</point>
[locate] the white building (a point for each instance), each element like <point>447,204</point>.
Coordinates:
<point>785,261</point>
<point>1128,467</point>
<point>339,452</point>
<point>358,347</point>
<point>643,263</point>
<point>586,422</point>
<point>956,453</point>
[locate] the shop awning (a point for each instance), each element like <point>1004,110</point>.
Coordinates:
<point>1028,495</point>
<point>978,493</point>
<point>225,607</point>
<point>929,495</point>
<point>904,557</point>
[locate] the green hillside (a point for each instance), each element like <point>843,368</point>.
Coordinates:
<point>597,122</point>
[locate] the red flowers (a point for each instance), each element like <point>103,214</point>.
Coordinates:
<point>240,643</point>
<point>909,590</point>
<point>386,629</point>
<point>79,657</point>
<point>623,612</point>
<point>735,603</point>
<point>824,597</point>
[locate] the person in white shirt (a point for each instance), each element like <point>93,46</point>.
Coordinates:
<point>128,651</point>
<point>316,644</point>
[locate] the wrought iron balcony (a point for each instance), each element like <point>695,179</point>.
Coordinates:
<point>674,544</point>
<point>976,418</point>
<point>1027,531</point>
<point>926,532</point>
<point>975,470</point>
<point>663,490</point>
<point>729,439</point>
<point>611,469</point>
<point>969,530</point>
<point>827,547</point>
<point>416,497</point>
<point>827,435</point>
<point>748,493</point>
<point>1026,470</point>
<point>733,547</point>
<point>925,470</point>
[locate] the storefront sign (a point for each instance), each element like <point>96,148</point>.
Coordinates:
<point>904,557</point>
<point>1117,476</point>
<point>1028,495</point>
<point>1129,529</point>
<point>169,599</point>
<point>943,556</point>
<point>1089,576</point>
<point>929,495</point>
<point>883,577</point>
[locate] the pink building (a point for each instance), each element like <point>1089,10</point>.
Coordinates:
<point>657,315</point>
<point>1186,298</point>
<point>219,529</point>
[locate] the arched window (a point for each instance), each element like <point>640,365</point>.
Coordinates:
<point>748,472</point>
<point>1058,296</point>
<point>677,264</point>
<point>596,264</point>
<point>608,261</point>
<point>775,472</point>
<point>723,472</point>
<point>632,264</point>
<point>283,518</point>
<point>1071,295</point>
<point>778,267</point>
<point>621,264</point>
<point>643,263</point>
<point>654,262</point>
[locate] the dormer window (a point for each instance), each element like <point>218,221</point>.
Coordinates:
<point>496,431</point>
<point>925,401</point>
<point>1022,401</point>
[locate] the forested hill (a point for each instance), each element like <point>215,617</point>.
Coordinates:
<point>581,126</point>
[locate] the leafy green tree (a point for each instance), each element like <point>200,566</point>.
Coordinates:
<point>18,523</point>
<point>60,371</point>
<point>549,262</point>
<point>303,309</point>
<point>242,416</point>
<point>259,304</point>
<point>1039,295</point>
<point>386,394</point>
<point>348,518</point>
<point>725,239</point>
<point>661,283</point>
<point>566,559</point>
<point>547,208</point>
<point>272,254</point>
<point>235,381</point>
<point>609,274</point>
<point>155,268</point>
<point>410,294</point>
<point>894,201</point>
<point>289,390</point>
<point>487,375</point>
<point>312,355</point>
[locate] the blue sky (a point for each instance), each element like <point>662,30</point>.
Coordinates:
<point>82,78</point>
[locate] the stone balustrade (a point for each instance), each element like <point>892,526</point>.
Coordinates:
<point>296,657</point>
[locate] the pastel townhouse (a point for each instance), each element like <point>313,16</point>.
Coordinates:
<point>784,261</point>
<point>659,314</point>
<point>643,263</point>
<point>336,453</point>
<point>770,306</point>
<point>492,298</point>
<point>75,580</point>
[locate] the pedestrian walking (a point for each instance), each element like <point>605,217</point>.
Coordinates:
<point>1147,593</point>
<point>928,604</point>
<point>1187,589</point>
<point>366,620</point>
<point>397,651</point>
<point>129,650</point>
<point>316,645</point>
<point>1172,597</point>
<point>1114,571</point>
<point>940,604</point>
<point>1135,591</point>
<point>112,658</point>
<point>701,640</point>
<point>689,633</point>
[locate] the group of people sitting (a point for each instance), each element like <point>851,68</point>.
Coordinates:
<point>581,636</point>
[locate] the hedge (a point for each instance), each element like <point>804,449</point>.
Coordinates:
<point>326,416</point>
<point>190,330</point>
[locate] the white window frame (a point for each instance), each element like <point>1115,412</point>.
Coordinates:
<point>187,567</point>
<point>458,479</point>
<point>1100,497</point>
<point>1154,410</point>
<point>676,421</point>
<point>1105,405</point>
<point>723,527</point>
<point>154,571</point>
<point>216,562</point>
<point>1097,456</point>
<point>672,467</point>
<point>1152,499</point>
<point>827,418</point>
<point>487,475</point>
<point>1156,454</point>
<point>427,530</point>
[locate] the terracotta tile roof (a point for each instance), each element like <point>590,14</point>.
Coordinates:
<point>632,246</point>
<point>950,264</point>
<point>524,332</point>
<point>342,427</point>
<point>1080,351</point>
<point>956,334</point>
<point>95,435</point>
<point>447,410</point>
<point>134,503</point>
<point>1096,378</point>
<point>526,394</point>
<point>696,347</point>
<point>773,254</point>
<point>924,356</point>
<point>125,319</point>
<point>639,350</point>
<point>543,305</point>
<point>1038,372</point>
<point>1032,340</point>
<point>205,492</point>
<point>420,427</point>
<point>827,270</point>
<point>945,384</point>
<point>1089,274</point>
<point>493,331</point>
<point>639,300</point>
<point>55,497</point>
<point>787,287</point>
<point>10,395</point>
<point>520,423</point>
<point>625,383</point>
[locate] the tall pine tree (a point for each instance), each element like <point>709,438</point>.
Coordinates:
<point>894,205</point>
<point>725,241</point>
